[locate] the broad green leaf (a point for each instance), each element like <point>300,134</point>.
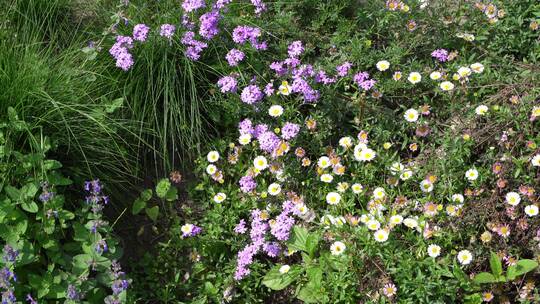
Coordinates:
<point>484,278</point>
<point>113,105</point>
<point>138,205</point>
<point>146,195</point>
<point>51,164</point>
<point>29,190</point>
<point>152,213</point>
<point>277,281</point>
<point>30,206</point>
<point>13,193</point>
<point>521,268</point>
<point>162,188</point>
<point>495,264</point>
<point>172,194</point>
<point>312,292</point>
<point>298,239</point>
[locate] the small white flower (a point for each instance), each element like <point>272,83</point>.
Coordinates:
<point>464,72</point>
<point>324,162</point>
<point>211,169</point>
<point>379,193</point>
<point>531,210</point>
<point>302,208</point>
<point>477,67</point>
<point>396,219</point>
<point>446,86</point>
<point>274,189</point>
<point>383,65</point>
<point>260,163</point>
<point>471,174</point>
<point>345,142</point>
<point>284,88</point>
<point>333,198</point>
<point>213,156</point>
<point>381,235</point>
<point>410,222</point>
<point>363,155</point>
<point>464,257</point>
<point>481,110</point>
<point>357,188</point>
<point>414,77</point>
<point>275,111</point>
<point>535,161</point>
<point>436,75</point>
<point>411,115</point>
<point>513,198</point>
<point>220,197</point>
<point>244,139</point>
<point>187,228</point>
<point>373,224</point>
<point>327,178</point>
<point>426,186</point>
<point>458,198</point>
<point>406,175</point>
<point>284,269</point>
<point>397,167</point>
<point>337,248</point>
<point>434,250</point>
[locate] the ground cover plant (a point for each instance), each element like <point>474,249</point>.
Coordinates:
<point>294,152</point>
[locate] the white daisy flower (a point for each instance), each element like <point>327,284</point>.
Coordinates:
<point>471,174</point>
<point>434,250</point>
<point>381,235</point>
<point>531,210</point>
<point>333,198</point>
<point>213,156</point>
<point>414,77</point>
<point>220,197</point>
<point>284,269</point>
<point>464,257</point>
<point>383,65</point>
<point>260,163</point>
<point>337,248</point>
<point>274,189</point>
<point>513,198</point>
<point>275,111</point>
<point>411,115</point>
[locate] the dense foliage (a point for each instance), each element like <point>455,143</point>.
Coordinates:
<point>263,152</point>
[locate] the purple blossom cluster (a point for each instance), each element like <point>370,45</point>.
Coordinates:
<point>118,285</point>
<point>295,49</point>
<point>284,222</point>
<point>289,130</point>
<point>260,6</point>
<point>227,84</point>
<point>94,196</point>
<point>243,33</point>
<point>167,30</point>
<point>247,184</point>
<point>119,51</point>
<point>245,127</point>
<point>140,32</point>
<point>194,47</point>
<point>251,94</point>
<point>259,227</point>
<point>234,56</point>
<point>192,5</point>
<point>46,195</point>
<point>440,54</point>
<point>240,228</point>
<point>268,141</point>
<point>209,24</point>
<point>343,69</point>
<point>6,285</point>
<point>363,81</point>
<point>322,77</point>
<point>195,230</point>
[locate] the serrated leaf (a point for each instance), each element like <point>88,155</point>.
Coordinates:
<point>162,188</point>
<point>521,268</point>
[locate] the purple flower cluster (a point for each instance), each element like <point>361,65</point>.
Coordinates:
<point>284,222</point>
<point>192,5</point>
<point>247,184</point>
<point>72,293</point>
<point>227,84</point>
<point>94,197</point>
<point>240,228</point>
<point>245,256</point>
<point>119,51</point>
<point>343,69</point>
<point>321,76</point>
<point>234,56</point>
<point>251,94</point>
<point>194,47</point>
<point>6,276</point>
<point>140,32</point>
<point>10,254</point>
<point>46,195</point>
<point>295,49</point>
<point>363,80</point>
<point>245,127</point>
<point>195,230</point>
<point>260,6</point>
<point>167,30</point>
<point>242,34</point>
<point>300,85</point>
<point>221,4</point>
<point>269,89</point>
<point>289,130</point>
<point>209,24</point>
<point>119,284</point>
<point>440,54</point>
<point>268,141</point>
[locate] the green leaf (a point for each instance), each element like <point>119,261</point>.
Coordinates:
<point>30,206</point>
<point>29,190</point>
<point>51,164</point>
<point>278,281</point>
<point>495,264</point>
<point>172,194</point>
<point>138,205</point>
<point>311,243</point>
<point>146,195</point>
<point>312,292</point>
<point>484,277</point>
<point>162,188</point>
<point>298,239</point>
<point>13,193</point>
<point>152,212</point>
<point>521,268</point>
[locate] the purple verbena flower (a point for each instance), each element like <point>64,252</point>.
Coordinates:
<point>240,228</point>
<point>343,69</point>
<point>140,32</point>
<point>167,30</point>
<point>234,56</point>
<point>247,184</point>
<point>245,127</point>
<point>289,130</point>
<point>295,49</point>
<point>209,24</point>
<point>227,84</point>
<point>260,6</point>
<point>251,94</point>
<point>268,141</point>
<point>440,54</point>
<point>192,5</point>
